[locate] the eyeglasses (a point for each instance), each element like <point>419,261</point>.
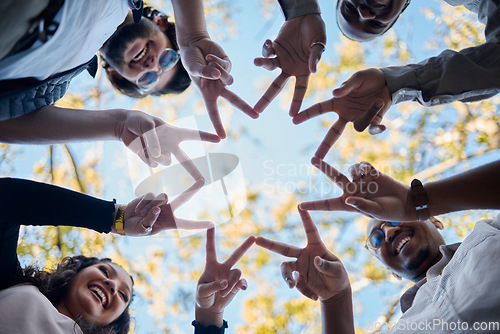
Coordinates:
<point>147,80</point>
<point>377,237</point>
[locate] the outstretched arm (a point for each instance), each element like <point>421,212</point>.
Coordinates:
<point>147,136</point>
<point>320,275</point>
<point>468,75</point>
<point>377,195</point>
<point>218,285</point>
<point>205,61</point>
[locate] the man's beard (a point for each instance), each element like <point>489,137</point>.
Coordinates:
<point>116,45</point>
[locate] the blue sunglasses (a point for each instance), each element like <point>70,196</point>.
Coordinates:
<point>147,80</point>
<point>377,237</point>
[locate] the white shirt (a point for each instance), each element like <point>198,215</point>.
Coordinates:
<point>25,310</point>
<point>83,29</point>
<point>460,293</point>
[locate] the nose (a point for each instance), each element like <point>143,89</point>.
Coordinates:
<point>111,286</point>
<point>365,12</point>
<point>390,232</point>
<point>153,65</point>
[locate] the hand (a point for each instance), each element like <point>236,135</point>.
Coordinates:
<point>153,140</point>
<point>150,215</point>
<point>209,67</point>
<point>371,193</point>
<point>363,99</point>
<point>211,90</point>
<point>325,279</point>
<point>295,56</point>
<point>218,284</point>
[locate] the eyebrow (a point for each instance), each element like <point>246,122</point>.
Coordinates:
<point>116,273</point>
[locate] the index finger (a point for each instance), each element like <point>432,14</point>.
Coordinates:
<point>189,134</point>
<point>333,174</point>
<point>331,137</point>
<point>301,83</point>
<point>278,247</point>
<point>211,255</point>
<point>273,90</point>
<point>238,102</point>
<point>312,233</point>
<point>213,113</point>
<point>313,111</point>
<point>239,252</point>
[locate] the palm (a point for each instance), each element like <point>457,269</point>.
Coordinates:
<point>310,280</point>
<point>210,295</point>
<point>293,53</point>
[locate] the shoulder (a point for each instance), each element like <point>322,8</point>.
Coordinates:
<point>18,301</point>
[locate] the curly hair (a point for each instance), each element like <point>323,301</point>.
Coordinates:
<point>54,285</point>
<point>179,82</point>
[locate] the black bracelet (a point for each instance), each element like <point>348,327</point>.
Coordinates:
<point>212,329</point>
<point>420,200</point>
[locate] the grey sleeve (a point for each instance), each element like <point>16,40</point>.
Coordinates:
<point>295,8</point>
<point>468,75</point>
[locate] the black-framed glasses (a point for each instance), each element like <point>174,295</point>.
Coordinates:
<point>148,79</point>
<point>377,237</point>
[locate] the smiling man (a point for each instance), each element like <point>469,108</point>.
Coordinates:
<point>362,20</point>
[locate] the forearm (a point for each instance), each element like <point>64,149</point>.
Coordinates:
<point>469,75</point>
<point>336,314</point>
<point>295,8</point>
<point>52,125</point>
<point>24,202</point>
<point>478,188</point>
<point>190,24</point>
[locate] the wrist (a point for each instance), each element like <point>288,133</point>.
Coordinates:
<point>345,294</point>
<point>207,317</point>
<point>120,117</point>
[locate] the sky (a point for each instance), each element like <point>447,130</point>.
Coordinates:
<point>269,153</point>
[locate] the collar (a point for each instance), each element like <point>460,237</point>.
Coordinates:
<point>447,251</point>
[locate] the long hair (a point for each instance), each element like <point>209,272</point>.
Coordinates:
<point>179,82</point>
<point>54,285</point>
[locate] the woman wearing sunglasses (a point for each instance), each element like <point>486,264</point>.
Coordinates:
<point>143,59</point>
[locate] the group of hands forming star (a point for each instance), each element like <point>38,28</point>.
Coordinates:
<point>363,100</point>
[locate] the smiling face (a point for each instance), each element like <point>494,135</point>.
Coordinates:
<point>99,294</point>
<point>410,248</point>
<point>135,48</point>
<point>362,20</point>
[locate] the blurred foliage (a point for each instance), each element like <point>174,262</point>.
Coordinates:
<point>419,141</point>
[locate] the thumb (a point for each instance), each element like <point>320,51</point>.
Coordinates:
<point>348,86</point>
<point>207,289</point>
<point>367,207</point>
<point>326,267</point>
<point>315,57</point>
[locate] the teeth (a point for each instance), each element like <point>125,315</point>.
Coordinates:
<point>141,54</point>
<point>101,294</point>
<point>402,243</point>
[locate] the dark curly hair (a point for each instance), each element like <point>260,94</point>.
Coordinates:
<point>54,285</point>
<point>179,82</point>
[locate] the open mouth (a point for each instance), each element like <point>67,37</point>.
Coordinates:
<point>100,295</point>
<point>401,244</point>
<point>142,54</point>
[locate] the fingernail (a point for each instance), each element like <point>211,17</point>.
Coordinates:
<point>351,202</point>
<point>379,104</point>
<point>375,130</point>
<point>223,284</point>
<point>156,211</point>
